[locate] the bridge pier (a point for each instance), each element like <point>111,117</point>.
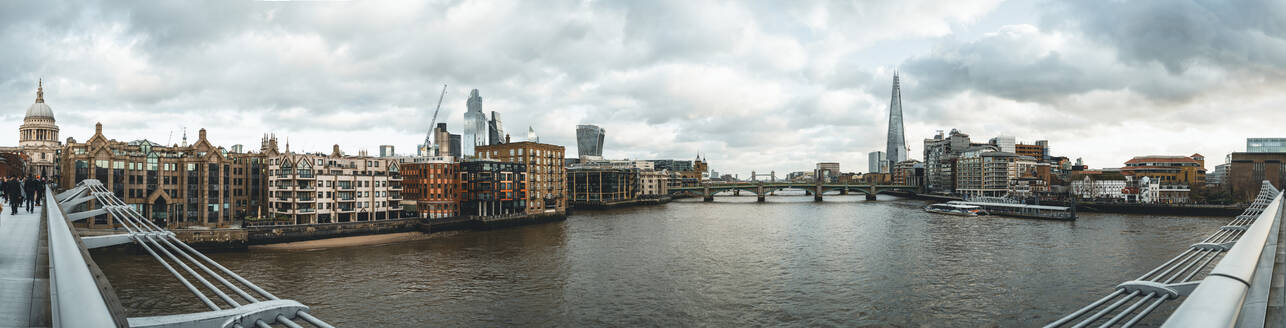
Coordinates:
<point>843,191</point>
<point>760,193</point>
<point>870,196</point>
<point>736,192</point>
<point>817,193</point>
<point>707,198</point>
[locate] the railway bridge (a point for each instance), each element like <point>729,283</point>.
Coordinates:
<point>761,189</point>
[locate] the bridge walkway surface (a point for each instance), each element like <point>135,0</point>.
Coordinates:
<point>24,269</point>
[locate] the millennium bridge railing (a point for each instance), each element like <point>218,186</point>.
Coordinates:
<point>82,297</point>
<point>1233,293</point>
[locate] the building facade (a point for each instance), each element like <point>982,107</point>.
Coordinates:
<point>1249,170</point>
<point>495,130</point>
<point>876,162</point>
<point>493,188</point>
<point>589,141</point>
<point>828,171</point>
<point>321,188</point>
<point>174,186</point>
<point>982,172</point>
<point>591,186</point>
<point>546,178</point>
<point>1187,170</point>
<point>654,183</point>
<point>1036,151</point>
<point>431,188</point>
<point>38,137</point>
<point>1266,145</point>
<point>1005,144</point>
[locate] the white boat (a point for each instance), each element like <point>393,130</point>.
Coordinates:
<point>955,209</point>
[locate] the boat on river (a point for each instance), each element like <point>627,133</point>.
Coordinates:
<point>1023,210</point>
<point>955,209</point>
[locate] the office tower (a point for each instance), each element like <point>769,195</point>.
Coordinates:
<point>589,140</point>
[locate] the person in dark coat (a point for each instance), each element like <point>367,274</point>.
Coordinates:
<point>13,189</point>
<point>29,192</point>
<point>39,195</point>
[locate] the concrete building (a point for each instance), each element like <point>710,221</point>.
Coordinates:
<point>174,186</point>
<point>589,141</point>
<point>1187,170</point>
<point>1005,144</point>
<point>1219,175</point>
<point>908,173</point>
<point>475,126</point>
<point>941,153</point>
<point>876,162</point>
<point>38,137</point>
<point>546,178</point>
<point>1261,145</point>
<point>327,188</point>
<point>828,171</point>
<point>432,188</point>
<point>654,183</point>
<point>1035,151</point>
<point>493,188</point>
<point>1090,188</point>
<point>1248,171</point>
<point>385,151</point>
<point>983,172</point>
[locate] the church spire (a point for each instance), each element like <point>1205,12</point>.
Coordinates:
<point>40,91</point>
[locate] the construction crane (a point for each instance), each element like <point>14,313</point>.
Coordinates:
<point>430,147</point>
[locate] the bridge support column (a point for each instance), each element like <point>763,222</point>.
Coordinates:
<point>760,193</point>
<point>843,191</point>
<point>736,192</point>
<point>870,196</point>
<point>817,194</point>
<point>706,195</point>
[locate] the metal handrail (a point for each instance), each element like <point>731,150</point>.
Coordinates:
<point>1217,301</point>
<point>74,294</point>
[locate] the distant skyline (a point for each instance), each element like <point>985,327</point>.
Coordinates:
<point>752,86</point>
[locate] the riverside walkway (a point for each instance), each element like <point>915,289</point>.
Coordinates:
<point>48,278</point>
<point>24,274</point>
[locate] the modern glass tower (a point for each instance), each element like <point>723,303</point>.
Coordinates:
<point>495,130</point>
<point>475,125</point>
<point>897,149</point>
<point>589,140</point>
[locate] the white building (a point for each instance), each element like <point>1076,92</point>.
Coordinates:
<point>319,188</point>
<point>1099,189</point>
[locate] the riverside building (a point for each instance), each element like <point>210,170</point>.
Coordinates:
<point>546,178</point>
<point>329,188</point>
<point>174,186</point>
<point>431,187</point>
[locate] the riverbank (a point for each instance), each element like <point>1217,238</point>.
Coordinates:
<point>1125,208</point>
<point>597,205</point>
<point>366,240</point>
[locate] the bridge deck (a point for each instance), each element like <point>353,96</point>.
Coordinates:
<point>24,270</point>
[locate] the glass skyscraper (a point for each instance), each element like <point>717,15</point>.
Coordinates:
<point>589,140</point>
<point>897,149</point>
<point>475,125</point>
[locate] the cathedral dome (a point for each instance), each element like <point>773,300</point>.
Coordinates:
<point>40,109</point>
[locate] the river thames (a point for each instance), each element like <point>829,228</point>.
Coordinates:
<point>788,262</point>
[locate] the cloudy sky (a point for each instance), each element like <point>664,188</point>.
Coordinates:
<point>767,86</point>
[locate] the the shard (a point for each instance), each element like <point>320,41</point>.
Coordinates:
<point>897,149</point>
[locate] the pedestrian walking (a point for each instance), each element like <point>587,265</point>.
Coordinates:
<point>13,190</point>
<point>29,191</point>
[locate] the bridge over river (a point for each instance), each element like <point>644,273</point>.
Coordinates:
<point>707,191</point>
<point>47,277</point>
